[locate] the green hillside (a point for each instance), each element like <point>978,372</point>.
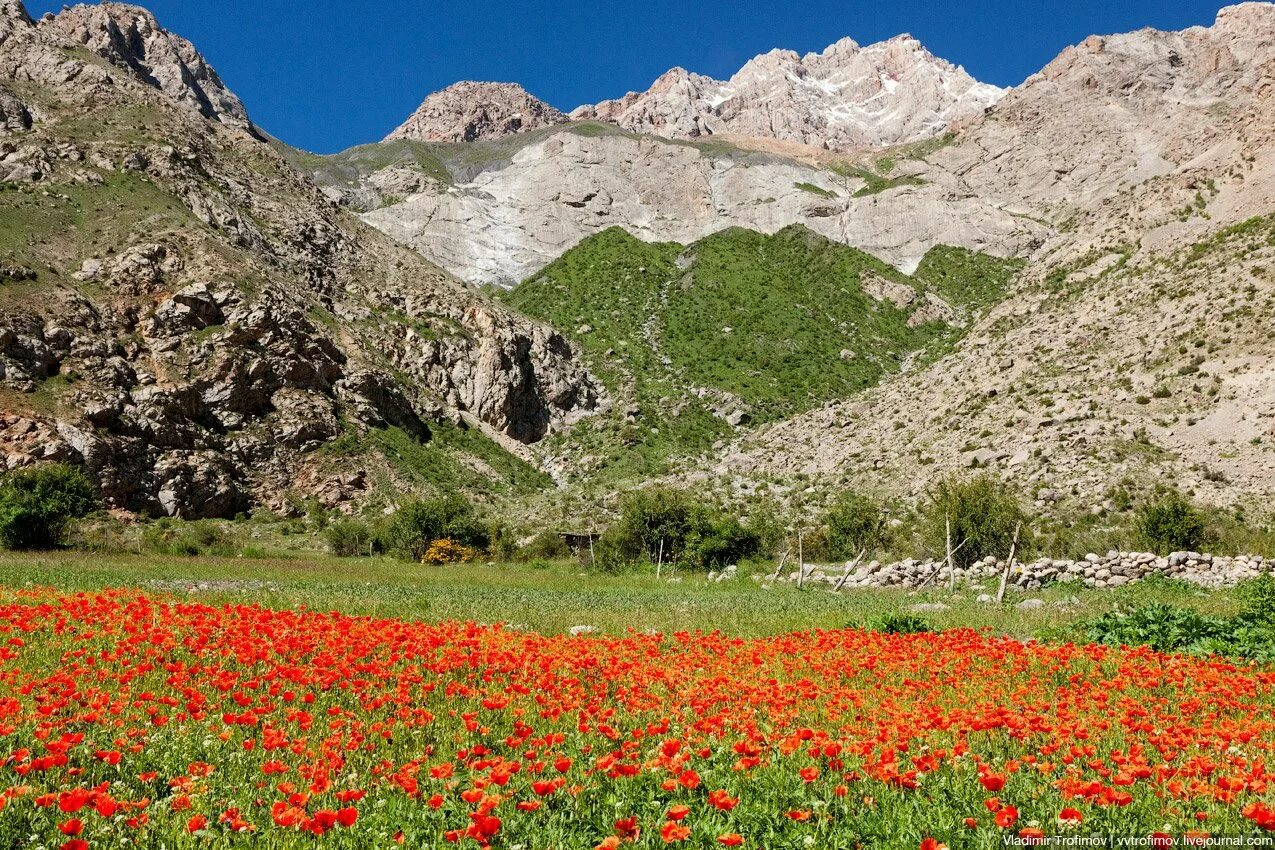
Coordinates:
<point>737,323</point>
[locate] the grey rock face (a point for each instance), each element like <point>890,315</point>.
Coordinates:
<point>130,36</point>
<point>510,221</point>
<point>206,362</point>
<point>469,111</point>
<point>14,114</point>
<point>847,96</point>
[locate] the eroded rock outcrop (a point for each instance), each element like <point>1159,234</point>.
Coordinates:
<point>848,96</point>
<point>196,364</point>
<point>470,111</point>
<point>129,36</point>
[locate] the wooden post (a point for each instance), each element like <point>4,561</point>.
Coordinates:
<point>1000,594</point>
<point>593,556</point>
<point>780,567</point>
<point>951,565</point>
<point>659,562</point>
<point>850,565</point>
<point>801,564</point>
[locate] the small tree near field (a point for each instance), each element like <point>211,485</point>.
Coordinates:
<point>983,514</point>
<point>37,505</point>
<point>1171,524</point>
<point>855,523</point>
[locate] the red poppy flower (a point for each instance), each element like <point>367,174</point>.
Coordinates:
<point>673,831</point>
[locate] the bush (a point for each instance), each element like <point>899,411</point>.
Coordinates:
<point>37,505</point>
<point>177,537</point>
<point>547,545</point>
<point>503,542</point>
<point>348,537</point>
<point>984,515</point>
<point>447,551</point>
<point>717,540</point>
<point>1161,627</point>
<point>672,525</point>
<point>901,624</point>
<point>1170,525</point>
<point>418,523</point>
<point>855,523</point>
<point>764,525</point>
<point>1257,598</point>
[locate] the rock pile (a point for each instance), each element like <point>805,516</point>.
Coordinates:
<point>1113,569</point>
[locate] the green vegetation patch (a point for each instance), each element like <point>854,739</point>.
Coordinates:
<point>815,190</point>
<point>452,459</point>
<point>767,324</point>
<point>966,278</point>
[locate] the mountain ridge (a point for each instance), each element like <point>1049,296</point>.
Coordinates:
<point>889,93</point>
<point>469,111</point>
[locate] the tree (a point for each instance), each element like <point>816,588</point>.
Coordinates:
<point>37,504</point>
<point>1172,524</point>
<point>855,523</point>
<point>418,523</point>
<point>348,537</point>
<point>983,515</point>
<point>673,526</point>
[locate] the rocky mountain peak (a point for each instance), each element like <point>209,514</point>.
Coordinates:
<point>131,37</point>
<point>469,111</point>
<point>13,18</point>
<point>847,96</point>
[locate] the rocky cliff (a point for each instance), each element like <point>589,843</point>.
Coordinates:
<point>191,320</point>
<point>848,96</point>
<point>469,111</point>
<point>527,203</point>
<point>130,37</point>
<point>1136,350</point>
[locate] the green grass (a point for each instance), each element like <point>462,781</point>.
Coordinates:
<point>453,458</point>
<point>560,596</point>
<point>967,278</point>
<point>754,321</point>
<point>815,190</point>
<point>874,181</point>
<point>52,230</point>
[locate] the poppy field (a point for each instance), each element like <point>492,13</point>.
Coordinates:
<point>135,719</point>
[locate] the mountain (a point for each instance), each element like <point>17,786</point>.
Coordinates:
<point>131,38</point>
<point>496,212</point>
<point>890,93</point>
<point>1132,353</point>
<point>469,112</point>
<point>695,341</point>
<point>197,325</point>
<point>1069,288</point>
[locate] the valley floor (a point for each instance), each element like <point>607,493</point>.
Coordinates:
<point>559,596</point>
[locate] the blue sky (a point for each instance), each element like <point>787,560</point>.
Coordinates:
<point>328,74</point>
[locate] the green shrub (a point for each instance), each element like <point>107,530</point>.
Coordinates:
<point>37,505</point>
<point>676,527</point>
<point>1171,524</point>
<point>766,527</point>
<point>182,538</point>
<point>546,545</point>
<point>983,515</point>
<point>855,523</point>
<point>718,540</point>
<point>1248,634</point>
<point>1257,598</point>
<point>503,542</point>
<point>1162,627</point>
<point>901,624</point>
<point>418,523</point>
<point>348,537</point>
